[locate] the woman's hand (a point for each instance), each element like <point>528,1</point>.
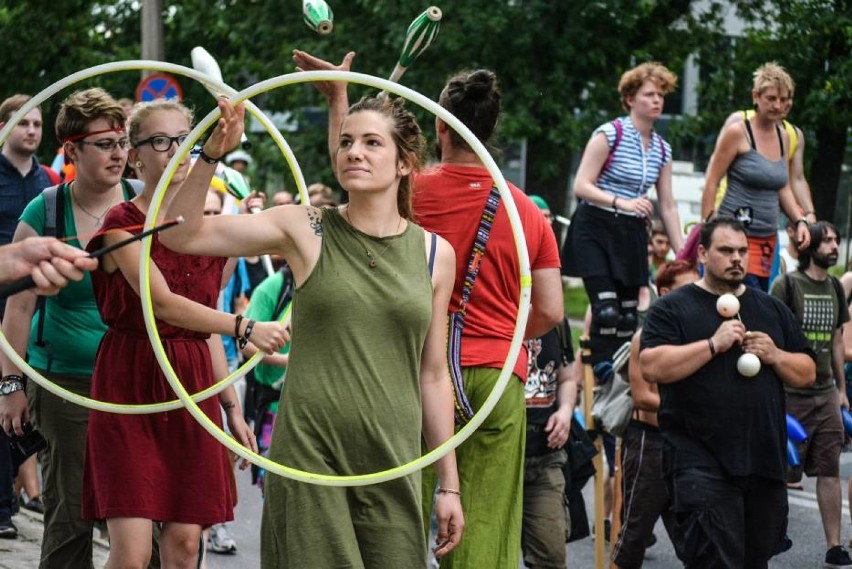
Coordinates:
<point>640,206</point>
<point>269,337</point>
<point>241,432</point>
<point>448,511</point>
<point>803,236</point>
<point>229,129</point>
<point>307,62</point>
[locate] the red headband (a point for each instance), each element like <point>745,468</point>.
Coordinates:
<point>77,137</point>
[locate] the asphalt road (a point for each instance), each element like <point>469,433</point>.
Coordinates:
<point>805,529</point>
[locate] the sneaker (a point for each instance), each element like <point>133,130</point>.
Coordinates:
<point>33,504</point>
<point>8,529</point>
<point>220,540</point>
<point>838,558</point>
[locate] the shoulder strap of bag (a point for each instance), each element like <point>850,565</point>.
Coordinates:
<point>464,410</point>
<point>788,292</point>
<point>841,297</point>
<point>285,295</point>
<point>54,226</point>
<point>619,133</point>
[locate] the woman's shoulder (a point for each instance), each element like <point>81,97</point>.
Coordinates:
<point>122,214</point>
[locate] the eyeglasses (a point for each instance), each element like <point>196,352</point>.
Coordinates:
<point>162,143</point>
<point>107,146</point>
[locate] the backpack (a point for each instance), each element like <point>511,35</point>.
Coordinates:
<point>612,404</point>
<point>619,134</point>
<point>54,226</point>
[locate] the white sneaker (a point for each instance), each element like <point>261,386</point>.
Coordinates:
<point>220,540</point>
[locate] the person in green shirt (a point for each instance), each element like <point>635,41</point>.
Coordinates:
<point>269,301</point>
<point>90,125</point>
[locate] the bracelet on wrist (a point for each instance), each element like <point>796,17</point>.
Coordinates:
<point>448,491</point>
<point>712,347</point>
<point>244,339</point>
<point>802,220</point>
<point>209,159</point>
<point>615,203</point>
<point>239,320</point>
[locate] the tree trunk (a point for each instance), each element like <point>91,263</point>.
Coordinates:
<point>824,177</point>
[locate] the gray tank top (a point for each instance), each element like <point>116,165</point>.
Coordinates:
<point>753,185</point>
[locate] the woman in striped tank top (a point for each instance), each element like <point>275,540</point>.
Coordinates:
<point>608,239</point>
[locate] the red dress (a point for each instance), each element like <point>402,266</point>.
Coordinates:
<point>161,466</point>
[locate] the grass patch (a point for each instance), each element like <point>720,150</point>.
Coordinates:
<point>576,302</point>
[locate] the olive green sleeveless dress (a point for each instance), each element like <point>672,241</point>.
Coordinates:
<point>351,405</point>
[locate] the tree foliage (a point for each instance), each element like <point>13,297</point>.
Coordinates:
<point>558,61</point>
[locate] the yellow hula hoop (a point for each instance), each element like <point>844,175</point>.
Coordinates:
<point>133,65</point>
<point>523,262</point>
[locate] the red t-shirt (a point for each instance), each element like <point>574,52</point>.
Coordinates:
<point>449,200</point>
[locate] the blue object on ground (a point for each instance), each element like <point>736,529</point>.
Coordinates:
<point>795,430</point>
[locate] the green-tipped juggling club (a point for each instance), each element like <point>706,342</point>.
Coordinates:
<point>318,16</point>
<point>419,36</point>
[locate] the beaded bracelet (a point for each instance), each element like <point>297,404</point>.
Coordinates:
<point>448,491</point>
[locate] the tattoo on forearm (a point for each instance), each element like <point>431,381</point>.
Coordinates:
<point>315,221</point>
<point>228,405</point>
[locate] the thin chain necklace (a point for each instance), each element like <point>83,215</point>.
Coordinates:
<point>373,258</point>
<point>99,219</point>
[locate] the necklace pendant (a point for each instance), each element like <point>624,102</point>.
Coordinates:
<point>372,263</point>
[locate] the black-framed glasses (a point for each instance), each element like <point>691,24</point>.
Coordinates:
<point>107,145</point>
<point>161,142</point>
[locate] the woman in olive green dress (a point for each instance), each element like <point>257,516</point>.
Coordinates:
<point>368,364</point>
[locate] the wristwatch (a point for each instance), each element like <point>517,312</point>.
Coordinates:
<point>10,384</point>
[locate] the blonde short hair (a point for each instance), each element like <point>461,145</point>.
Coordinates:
<point>773,75</point>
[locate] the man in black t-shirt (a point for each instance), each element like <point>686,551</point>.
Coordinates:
<point>725,433</point>
<point>550,393</point>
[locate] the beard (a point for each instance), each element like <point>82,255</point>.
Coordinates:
<point>824,261</point>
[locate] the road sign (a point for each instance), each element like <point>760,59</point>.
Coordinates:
<point>158,86</point>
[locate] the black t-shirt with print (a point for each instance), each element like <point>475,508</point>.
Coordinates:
<point>716,417</point>
<point>546,355</point>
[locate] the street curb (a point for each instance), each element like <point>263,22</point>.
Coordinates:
<point>35,516</point>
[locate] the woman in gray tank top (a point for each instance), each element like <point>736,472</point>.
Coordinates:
<point>368,376</point>
<point>753,157</point>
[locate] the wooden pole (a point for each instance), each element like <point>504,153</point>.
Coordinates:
<point>601,560</point>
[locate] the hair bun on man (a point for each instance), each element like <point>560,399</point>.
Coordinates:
<point>480,83</point>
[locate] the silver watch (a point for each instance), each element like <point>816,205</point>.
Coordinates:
<point>9,386</point>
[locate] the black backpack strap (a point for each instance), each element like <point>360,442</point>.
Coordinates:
<point>286,293</point>
<point>54,226</point>
<point>841,297</point>
<point>788,292</point>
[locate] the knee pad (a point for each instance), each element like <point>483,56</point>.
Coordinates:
<point>605,312</point>
<point>629,316</point>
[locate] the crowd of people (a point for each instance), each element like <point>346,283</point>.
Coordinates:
<point>427,253</point>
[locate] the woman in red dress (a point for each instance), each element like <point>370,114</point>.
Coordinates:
<point>160,467</point>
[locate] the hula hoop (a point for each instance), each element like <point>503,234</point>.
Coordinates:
<point>523,262</point>
<point>133,65</point>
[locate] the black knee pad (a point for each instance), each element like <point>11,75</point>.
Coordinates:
<point>605,312</point>
<point>629,315</point>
